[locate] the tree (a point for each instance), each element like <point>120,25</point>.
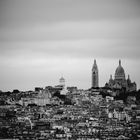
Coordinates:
<point>15,91</point>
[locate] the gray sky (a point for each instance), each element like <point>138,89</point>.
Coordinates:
<point>42,40</point>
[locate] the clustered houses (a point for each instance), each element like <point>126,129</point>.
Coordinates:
<point>90,116</point>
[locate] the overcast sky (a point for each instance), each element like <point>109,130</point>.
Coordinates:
<point>40,40</point>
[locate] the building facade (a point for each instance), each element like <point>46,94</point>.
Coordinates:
<point>120,80</point>
<point>95,77</point>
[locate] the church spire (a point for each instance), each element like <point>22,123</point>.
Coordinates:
<point>111,77</point>
<point>128,76</point>
<point>119,62</point>
<point>94,65</point>
<point>94,61</point>
<point>95,78</point>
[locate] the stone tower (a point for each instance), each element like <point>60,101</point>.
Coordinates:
<point>95,78</point>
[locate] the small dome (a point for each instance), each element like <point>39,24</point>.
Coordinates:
<point>119,73</point>
<point>128,80</point>
<point>62,79</point>
<point>111,79</point>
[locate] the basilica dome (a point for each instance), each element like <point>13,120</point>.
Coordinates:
<point>119,73</point>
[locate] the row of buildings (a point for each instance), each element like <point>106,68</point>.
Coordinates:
<point>89,117</point>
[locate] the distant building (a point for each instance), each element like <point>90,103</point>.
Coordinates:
<point>38,89</point>
<point>72,89</point>
<point>43,98</point>
<point>62,82</point>
<point>61,87</point>
<point>120,81</point>
<point>95,78</point>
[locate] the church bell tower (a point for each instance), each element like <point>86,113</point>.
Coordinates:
<point>95,78</point>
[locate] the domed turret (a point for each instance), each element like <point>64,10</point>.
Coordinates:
<point>62,81</point>
<point>128,80</point>
<point>111,79</point>
<point>119,73</point>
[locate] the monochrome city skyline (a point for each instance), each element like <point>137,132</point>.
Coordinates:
<point>42,40</point>
<point>69,69</point>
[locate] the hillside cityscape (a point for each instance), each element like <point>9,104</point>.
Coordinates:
<point>111,112</point>
<point>69,69</point>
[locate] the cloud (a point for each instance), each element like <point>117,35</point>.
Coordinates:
<point>19,13</point>
<point>104,48</point>
<point>40,40</point>
<point>109,29</point>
